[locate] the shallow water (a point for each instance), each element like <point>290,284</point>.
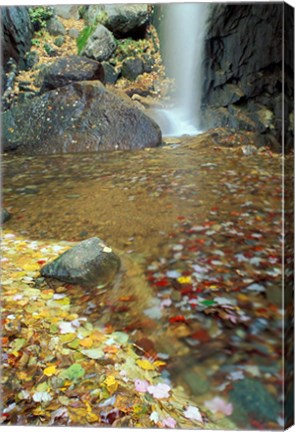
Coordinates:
<point>198,229</point>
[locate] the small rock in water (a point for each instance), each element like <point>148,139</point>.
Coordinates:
<point>5,215</point>
<point>90,263</point>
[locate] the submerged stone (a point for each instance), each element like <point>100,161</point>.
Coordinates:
<point>90,263</point>
<point>5,215</point>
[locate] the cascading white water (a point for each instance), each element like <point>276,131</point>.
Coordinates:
<point>184,28</point>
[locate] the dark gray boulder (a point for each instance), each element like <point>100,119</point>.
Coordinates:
<point>132,67</point>
<point>80,117</point>
<point>100,45</point>
<point>111,74</point>
<point>124,20</point>
<point>17,32</point>
<point>69,69</point>
<point>55,27</point>
<point>90,263</point>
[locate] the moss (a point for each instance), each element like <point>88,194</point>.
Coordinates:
<point>39,15</point>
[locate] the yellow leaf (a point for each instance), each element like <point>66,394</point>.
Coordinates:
<point>92,418</point>
<point>159,363</point>
<point>31,267</point>
<point>50,370</point>
<point>47,294</point>
<point>145,364</point>
<point>22,375</point>
<point>213,287</point>
<point>184,279</point>
<point>111,384</point>
<point>87,342</point>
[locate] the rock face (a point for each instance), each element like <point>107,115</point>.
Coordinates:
<point>80,117</point>
<point>90,263</point>
<point>69,69</point>
<point>243,68</point>
<point>123,20</point>
<point>17,32</point>
<point>100,45</point>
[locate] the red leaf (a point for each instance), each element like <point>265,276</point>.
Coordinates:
<point>162,283</point>
<point>177,318</point>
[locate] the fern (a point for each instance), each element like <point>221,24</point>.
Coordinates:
<point>83,37</point>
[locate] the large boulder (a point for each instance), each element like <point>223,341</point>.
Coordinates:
<point>17,32</point>
<point>90,263</point>
<point>69,69</point>
<point>123,20</point>
<point>80,117</point>
<point>100,45</point>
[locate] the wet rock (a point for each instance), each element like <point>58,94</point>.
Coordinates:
<point>100,45</point>
<point>26,96</point>
<point>251,398</point>
<point>24,85</point>
<point>79,117</point>
<point>74,33</point>
<point>111,75</point>
<point>70,69</point>
<point>131,68</point>
<point>59,41</point>
<point>50,50</point>
<point>55,27</point>
<point>124,20</point>
<point>5,215</point>
<point>17,31</point>
<point>67,11</point>
<point>148,63</point>
<point>90,263</point>
<point>31,59</point>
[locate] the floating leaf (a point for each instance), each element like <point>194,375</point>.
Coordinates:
<point>17,344</point>
<point>87,342</point>
<point>145,364</point>
<point>50,370</point>
<point>169,422</point>
<point>111,384</point>
<point>42,397</point>
<point>74,372</point>
<point>193,413</point>
<point>159,391</point>
<point>218,404</point>
<point>184,279</point>
<point>141,385</point>
<point>94,353</point>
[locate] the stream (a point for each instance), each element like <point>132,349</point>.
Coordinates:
<point>198,229</point>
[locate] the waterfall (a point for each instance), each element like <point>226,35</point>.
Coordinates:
<point>183,38</point>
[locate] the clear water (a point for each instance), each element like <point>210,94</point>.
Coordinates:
<point>186,210</point>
